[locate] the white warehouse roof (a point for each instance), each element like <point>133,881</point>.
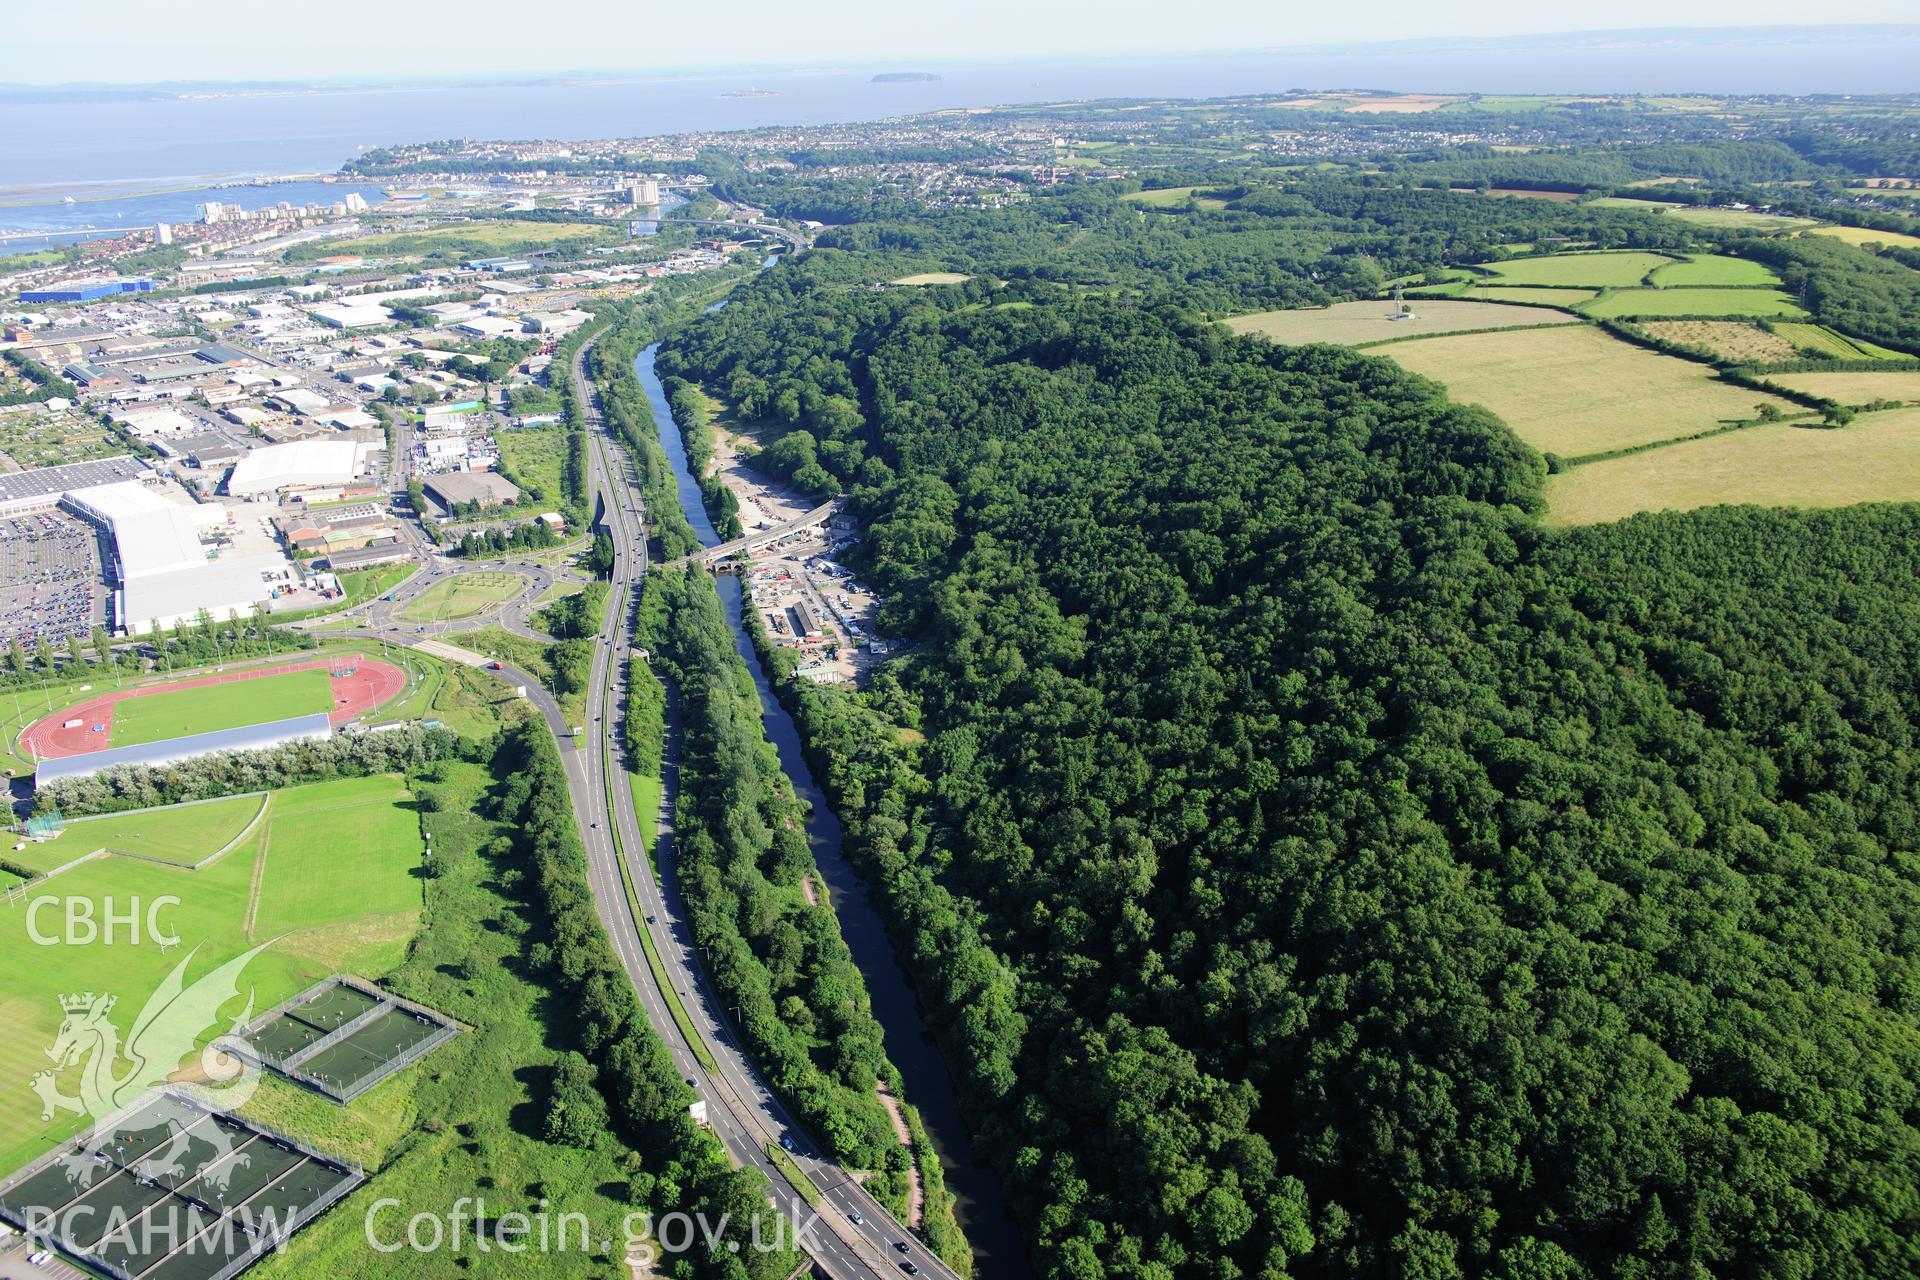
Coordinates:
<point>150,534</point>
<point>302,462</point>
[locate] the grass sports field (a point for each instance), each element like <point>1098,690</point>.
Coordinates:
<point>329,876</point>
<point>1877,459</point>
<point>155,716</point>
<point>1578,391</point>
<point>182,833</point>
<point>1728,339</point>
<point>1826,341</point>
<point>1359,323</point>
<point>1711,269</point>
<point>1864,235</point>
<point>932,277</point>
<point>462,596</point>
<point>1855,388</point>
<point>1588,270</point>
<point>1692,302</point>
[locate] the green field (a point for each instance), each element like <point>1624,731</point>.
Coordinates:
<point>1173,198</point>
<point>1692,302</point>
<point>484,238</point>
<point>1568,298</point>
<point>462,596</point>
<point>1359,323</point>
<point>182,833</point>
<point>1877,459</point>
<point>1714,269</point>
<point>1737,219</point>
<point>534,458</point>
<point>365,835</point>
<point>1855,388</point>
<point>1628,202</point>
<point>1828,342</point>
<point>1586,270</point>
<point>324,905</point>
<point>1864,235</point>
<point>154,716</point>
<point>1578,391</point>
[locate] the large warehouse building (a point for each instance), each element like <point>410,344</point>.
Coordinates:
<point>86,290</point>
<point>166,573</point>
<point>300,465</point>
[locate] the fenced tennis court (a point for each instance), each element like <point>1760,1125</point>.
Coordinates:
<point>341,1038</point>
<point>171,1189</point>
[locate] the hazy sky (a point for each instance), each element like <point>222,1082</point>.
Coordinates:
<point>142,40</point>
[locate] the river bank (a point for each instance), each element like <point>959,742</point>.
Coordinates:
<point>980,1203</point>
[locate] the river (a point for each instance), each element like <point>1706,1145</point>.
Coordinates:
<point>980,1203</point>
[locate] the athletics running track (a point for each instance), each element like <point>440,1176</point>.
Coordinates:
<point>371,684</point>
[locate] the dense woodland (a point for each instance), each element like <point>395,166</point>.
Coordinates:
<point>1313,867</point>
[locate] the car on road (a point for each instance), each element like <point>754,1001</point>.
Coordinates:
<point>901,1245</point>
<point>596,826</point>
<point>910,1269</point>
<point>653,920</point>
<point>787,1143</point>
<point>855,1218</point>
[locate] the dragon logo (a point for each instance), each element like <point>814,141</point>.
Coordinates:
<point>111,1073</point>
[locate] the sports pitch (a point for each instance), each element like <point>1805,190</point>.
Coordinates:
<point>328,878</point>
<point>181,833</point>
<point>1578,391</point>
<point>176,713</point>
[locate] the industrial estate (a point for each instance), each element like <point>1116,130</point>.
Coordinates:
<point>1310,685</point>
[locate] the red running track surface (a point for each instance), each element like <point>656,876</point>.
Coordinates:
<point>372,683</point>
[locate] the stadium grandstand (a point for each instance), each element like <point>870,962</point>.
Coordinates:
<point>252,737</point>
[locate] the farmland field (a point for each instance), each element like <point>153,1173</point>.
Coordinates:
<point>155,716</point>
<point>1737,219</point>
<point>1728,339</point>
<point>461,596</point>
<point>1627,202</point>
<point>1711,269</point>
<point>1522,293</point>
<point>1864,235</point>
<point>1877,459</point>
<point>933,277</point>
<point>1173,198</point>
<point>1855,388</point>
<point>324,906</point>
<point>1591,270</point>
<point>1358,323</point>
<point>1580,391</point>
<point>1693,302</point>
<point>1827,342</point>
